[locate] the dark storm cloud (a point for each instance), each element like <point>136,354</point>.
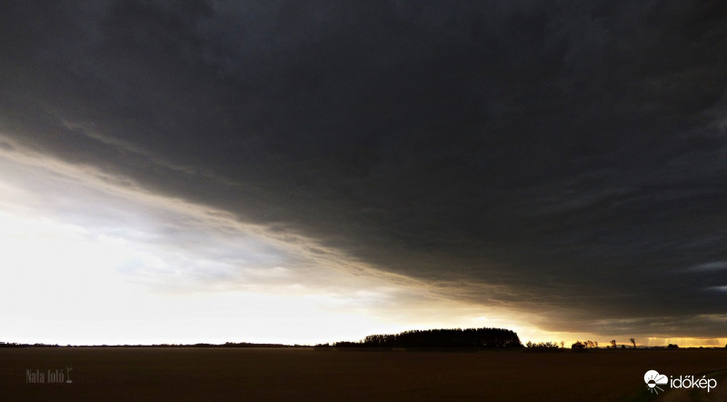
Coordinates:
<point>573,154</point>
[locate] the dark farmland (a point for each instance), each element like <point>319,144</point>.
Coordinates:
<point>271,374</point>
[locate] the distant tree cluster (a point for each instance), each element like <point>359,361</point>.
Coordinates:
<point>542,345</point>
<point>585,345</point>
<point>443,338</point>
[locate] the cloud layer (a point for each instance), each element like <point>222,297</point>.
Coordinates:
<point>563,161</point>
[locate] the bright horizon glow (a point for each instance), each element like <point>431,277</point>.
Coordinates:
<point>90,265</point>
<point>113,266</point>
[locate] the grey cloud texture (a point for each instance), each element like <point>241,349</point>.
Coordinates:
<point>572,155</point>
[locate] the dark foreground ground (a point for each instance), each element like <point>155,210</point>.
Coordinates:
<point>307,374</point>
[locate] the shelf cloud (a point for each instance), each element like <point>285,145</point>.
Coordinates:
<point>563,162</point>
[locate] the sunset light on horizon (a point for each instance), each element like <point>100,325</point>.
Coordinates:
<point>291,173</point>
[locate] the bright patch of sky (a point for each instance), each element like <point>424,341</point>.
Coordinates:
<point>110,264</point>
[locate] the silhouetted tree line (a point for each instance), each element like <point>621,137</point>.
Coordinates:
<point>162,345</point>
<point>442,338</point>
<point>585,345</point>
<point>542,345</point>
<point>12,345</point>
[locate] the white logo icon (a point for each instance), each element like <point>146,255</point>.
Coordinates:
<point>653,379</point>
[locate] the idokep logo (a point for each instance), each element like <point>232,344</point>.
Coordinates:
<point>653,379</point>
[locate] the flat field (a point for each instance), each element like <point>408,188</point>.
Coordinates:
<point>308,374</point>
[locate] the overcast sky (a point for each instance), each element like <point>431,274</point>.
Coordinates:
<point>357,167</point>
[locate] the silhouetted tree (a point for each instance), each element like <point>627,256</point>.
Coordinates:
<point>632,340</point>
<point>613,343</point>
